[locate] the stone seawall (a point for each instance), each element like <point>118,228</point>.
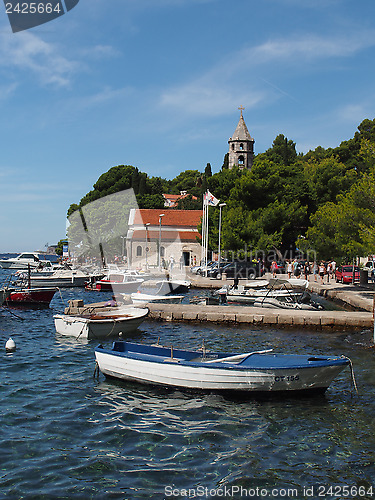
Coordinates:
<point>261,316</point>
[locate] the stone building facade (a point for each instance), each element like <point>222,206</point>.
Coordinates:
<point>156,235</point>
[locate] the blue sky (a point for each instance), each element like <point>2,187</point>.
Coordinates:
<point>157,84</point>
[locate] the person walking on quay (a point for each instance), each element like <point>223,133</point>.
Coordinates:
<point>322,271</point>
<point>333,268</point>
<point>296,270</point>
<point>274,269</point>
<point>306,269</point>
<point>289,268</point>
<point>315,270</point>
<point>329,271</point>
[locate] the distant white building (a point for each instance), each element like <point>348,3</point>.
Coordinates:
<point>171,200</point>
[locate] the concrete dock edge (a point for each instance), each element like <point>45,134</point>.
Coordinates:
<point>257,316</point>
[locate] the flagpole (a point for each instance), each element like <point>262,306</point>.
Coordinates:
<point>203,229</point>
<point>208,199</point>
<point>206,256</point>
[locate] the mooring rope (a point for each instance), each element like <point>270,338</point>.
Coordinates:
<point>352,375</point>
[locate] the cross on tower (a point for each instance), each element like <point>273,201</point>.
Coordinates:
<point>241,108</point>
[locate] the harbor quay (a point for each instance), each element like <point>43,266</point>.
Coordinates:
<point>261,316</point>
<point>360,298</point>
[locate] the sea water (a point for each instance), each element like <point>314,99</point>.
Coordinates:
<point>68,434</point>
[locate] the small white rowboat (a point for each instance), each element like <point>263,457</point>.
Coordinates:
<point>100,325</point>
<point>259,371</point>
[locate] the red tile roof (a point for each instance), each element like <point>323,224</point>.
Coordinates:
<point>174,198</point>
<point>172,217</point>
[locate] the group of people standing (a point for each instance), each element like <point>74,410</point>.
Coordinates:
<point>295,268</point>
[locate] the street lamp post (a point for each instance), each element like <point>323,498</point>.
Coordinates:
<point>221,205</point>
<point>146,248</point>
<point>159,253</point>
<point>123,248</point>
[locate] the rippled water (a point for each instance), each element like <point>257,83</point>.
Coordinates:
<point>66,434</point>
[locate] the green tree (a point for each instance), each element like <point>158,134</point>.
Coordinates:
<point>283,151</point>
<point>345,229</point>
<point>208,171</point>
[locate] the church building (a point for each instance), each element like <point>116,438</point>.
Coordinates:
<point>241,146</point>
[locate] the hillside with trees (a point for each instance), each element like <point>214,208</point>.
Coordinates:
<point>321,201</point>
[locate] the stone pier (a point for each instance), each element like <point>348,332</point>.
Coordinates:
<point>261,316</point>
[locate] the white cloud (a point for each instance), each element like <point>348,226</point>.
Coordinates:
<point>204,98</point>
<point>310,47</point>
<point>354,113</point>
<point>237,78</point>
<point>27,51</point>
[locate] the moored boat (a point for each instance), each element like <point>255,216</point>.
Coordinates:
<point>23,261</point>
<point>294,290</point>
<point>285,303</point>
<point>116,283</point>
<point>276,293</point>
<point>139,298</point>
<point>256,371</point>
<point>61,278</point>
<point>30,297</point>
<point>101,324</point>
<point>163,291</point>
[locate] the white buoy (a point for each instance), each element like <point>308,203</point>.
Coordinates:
<point>10,345</point>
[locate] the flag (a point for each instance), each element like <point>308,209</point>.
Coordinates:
<point>209,199</point>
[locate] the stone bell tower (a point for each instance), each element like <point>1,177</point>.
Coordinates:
<point>241,146</point>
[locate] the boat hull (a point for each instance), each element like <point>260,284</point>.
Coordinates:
<point>100,326</point>
<point>116,287</point>
<point>31,296</point>
<point>18,265</point>
<point>197,375</point>
<point>143,298</point>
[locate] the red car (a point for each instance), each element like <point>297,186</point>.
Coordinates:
<point>344,274</point>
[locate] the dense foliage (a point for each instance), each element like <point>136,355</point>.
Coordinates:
<point>323,201</point>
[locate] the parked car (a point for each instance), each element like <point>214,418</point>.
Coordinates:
<point>344,274</point>
<point>280,267</point>
<point>236,269</point>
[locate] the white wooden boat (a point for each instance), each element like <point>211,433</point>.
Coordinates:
<point>22,261</point>
<point>139,298</point>
<point>100,325</point>
<point>257,371</point>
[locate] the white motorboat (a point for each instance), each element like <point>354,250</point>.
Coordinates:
<point>164,291</point>
<point>23,261</point>
<point>294,290</point>
<point>100,325</point>
<point>169,286</point>
<point>285,303</point>
<point>119,282</point>
<point>57,278</point>
<point>139,298</point>
<point>256,371</point>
